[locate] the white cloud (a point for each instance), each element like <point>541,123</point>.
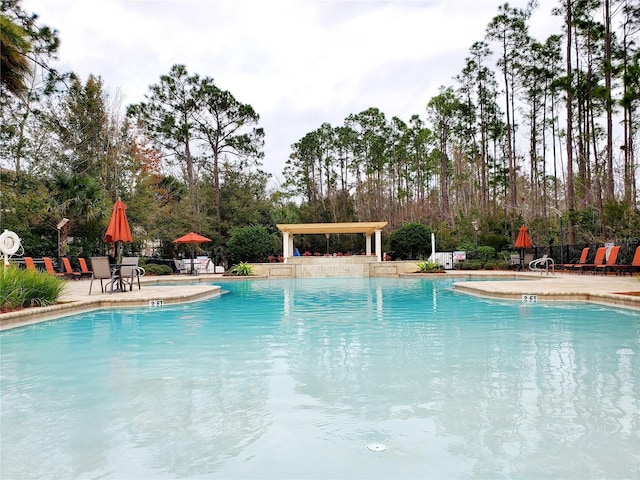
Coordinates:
<point>298,63</point>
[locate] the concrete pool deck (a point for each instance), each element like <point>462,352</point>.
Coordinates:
<point>608,290</point>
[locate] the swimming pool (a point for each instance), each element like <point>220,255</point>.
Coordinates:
<point>296,378</point>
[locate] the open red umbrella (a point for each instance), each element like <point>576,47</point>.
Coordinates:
<point>193,239</point>
<point>118,229</point>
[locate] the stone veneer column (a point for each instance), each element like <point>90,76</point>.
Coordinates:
<point>379,245</point>
<point>285,245</point>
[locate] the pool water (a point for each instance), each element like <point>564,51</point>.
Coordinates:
<point>297,378</point>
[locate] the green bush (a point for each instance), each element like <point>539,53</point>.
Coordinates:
<point>249,244</point>
<point>470,265</point>
<point>486,253</point>
<point>25,288</point>
<point>242,270</point>
<point>154,269</point>
<point>494,265</point>
<point>411,241</point>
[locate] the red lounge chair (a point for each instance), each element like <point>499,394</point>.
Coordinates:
<point>632,267</point>
<point>29,264</point>
<point>598,260</point>
<point>84,270</point>
<point>48,265</point>
<point>611,261</point>
<point>582,260</point>
<point>68,271</point>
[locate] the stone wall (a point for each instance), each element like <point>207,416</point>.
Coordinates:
<point>346,266</point>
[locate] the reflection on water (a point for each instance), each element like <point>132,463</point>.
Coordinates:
<point>293,378</point>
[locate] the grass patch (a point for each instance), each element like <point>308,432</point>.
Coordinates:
<point>25,288</point>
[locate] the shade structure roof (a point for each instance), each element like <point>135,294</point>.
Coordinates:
<point>367,228</point>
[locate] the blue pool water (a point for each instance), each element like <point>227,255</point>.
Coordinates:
<point>296,378</point>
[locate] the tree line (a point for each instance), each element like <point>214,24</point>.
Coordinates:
<point>530,131</point>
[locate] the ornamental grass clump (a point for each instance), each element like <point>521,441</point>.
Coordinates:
<point>25,288</point>
<point>242,269</point>
<point>428,267</point>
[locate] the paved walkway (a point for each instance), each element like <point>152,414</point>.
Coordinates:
<point>609,290</point>
<point>558,287</point>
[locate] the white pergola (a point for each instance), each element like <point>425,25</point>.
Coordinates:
<point>367,228</point>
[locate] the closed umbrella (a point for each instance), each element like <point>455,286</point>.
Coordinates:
<point>193,239</point>
<point>118,230</point>
<point>523,241</point>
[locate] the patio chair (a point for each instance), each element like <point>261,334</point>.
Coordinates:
<point>583,259</point>
<point>632,267</point>
<point>598,260</point>
<point>178,266</point>
<point>84,270</point>
<point>611,261</point>
<point>29,264</point>
<point>48,265</point>
<point>68,271</point>
<point>101,270</point>
<point>514,261</point>
<point>130,271</point>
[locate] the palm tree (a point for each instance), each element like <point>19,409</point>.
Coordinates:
<point>14,63</point>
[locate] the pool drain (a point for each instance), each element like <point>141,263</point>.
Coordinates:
<point>377,447</point>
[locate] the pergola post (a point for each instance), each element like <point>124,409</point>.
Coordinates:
<point>368,244</point>
<point>379,245</point>
<point>285,246</point>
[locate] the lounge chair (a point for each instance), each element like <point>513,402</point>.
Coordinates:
<point>29,264</point>
<point>598,260</point>
<point>48,265</point>
<point>68,271</point>
<point>611,261</point>
<point>632,267</point>
<point>542,264</point>
<point>101,270</point>
<point>583,259</point>
<point>84,270</point>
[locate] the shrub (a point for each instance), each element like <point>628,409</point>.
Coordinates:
<point>241,270</point>
<point>154,269</point>
<point>486,253</point>
<point>411,241</point>
<point>428,267</point>
<point>25,288</point>
<point>469,265</point>
<point>250,244</point>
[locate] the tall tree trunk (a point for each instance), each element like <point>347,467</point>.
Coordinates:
<point>609,192</point>
<point>569,86</point>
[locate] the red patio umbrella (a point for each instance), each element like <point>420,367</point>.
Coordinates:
<point>193,239</point>
<point>118,230</point>
<point>523,241</point>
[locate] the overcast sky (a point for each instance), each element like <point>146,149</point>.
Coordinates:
<point>299,63</point>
